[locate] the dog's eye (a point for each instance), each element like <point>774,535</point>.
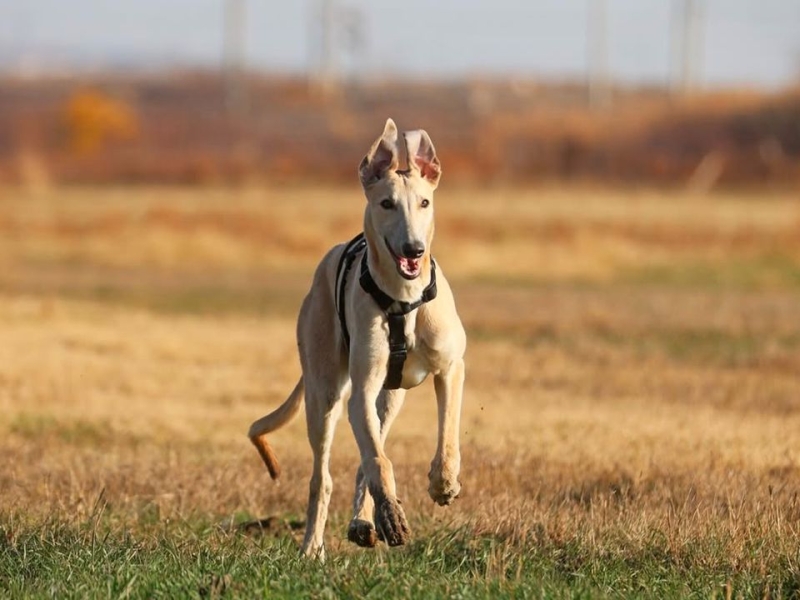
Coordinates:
<point>387,204</point>
<point>425,203</point>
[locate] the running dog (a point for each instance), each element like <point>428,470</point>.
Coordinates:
<point>379,318</point>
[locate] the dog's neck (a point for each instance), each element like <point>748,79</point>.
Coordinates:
<point>384,272</point>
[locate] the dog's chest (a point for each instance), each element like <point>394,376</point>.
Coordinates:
<point>415,370</point>
<point>417,366</point>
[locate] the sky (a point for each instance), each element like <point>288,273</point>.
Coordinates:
<point>750,42</point>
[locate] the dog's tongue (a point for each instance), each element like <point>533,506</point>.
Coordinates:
<point>410,265</point>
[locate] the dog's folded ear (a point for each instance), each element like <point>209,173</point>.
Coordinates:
<point>381,158</point>
<point>422,155</point>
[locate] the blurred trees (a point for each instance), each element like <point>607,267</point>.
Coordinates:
<point>92,118</point>
<point>176,129</point>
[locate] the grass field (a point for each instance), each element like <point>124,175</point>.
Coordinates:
<point>631,422</point>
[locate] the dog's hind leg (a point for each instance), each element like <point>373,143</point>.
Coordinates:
<point>362,528</point>
<point>323,407</point>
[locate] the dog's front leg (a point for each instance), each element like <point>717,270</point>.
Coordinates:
<point>449,384</point>
<point>361,530</point>
<point>390,520</point>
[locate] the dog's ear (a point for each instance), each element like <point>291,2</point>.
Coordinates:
<point>422,155</point>
<point>381,158</point>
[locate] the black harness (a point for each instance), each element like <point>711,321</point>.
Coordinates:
<point>398,350</point>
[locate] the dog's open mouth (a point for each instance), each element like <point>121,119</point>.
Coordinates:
<point>410,268</point>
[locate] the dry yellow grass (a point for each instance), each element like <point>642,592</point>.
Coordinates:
<point>600,405</point>
<point>550,234</point>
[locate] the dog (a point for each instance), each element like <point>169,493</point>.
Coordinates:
<point>378,319</point>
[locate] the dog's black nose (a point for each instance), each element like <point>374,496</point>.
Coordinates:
<point>413,249</point>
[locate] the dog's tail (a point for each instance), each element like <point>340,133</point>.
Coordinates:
<point>275,420</point>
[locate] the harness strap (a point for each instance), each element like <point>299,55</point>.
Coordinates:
<point>354,246</point>
<point>398,349</point>
<point>385,301</point>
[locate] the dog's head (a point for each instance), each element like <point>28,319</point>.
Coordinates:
<point>398,220</point>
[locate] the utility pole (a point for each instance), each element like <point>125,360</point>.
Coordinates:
<point>235,26</point>
<point>336,34</point>
<point>597,54</point>
<point>688,30</point>
<point>327,58</point>
<point>697,11</point>
<point>687,72</point>
<point>675,46</point>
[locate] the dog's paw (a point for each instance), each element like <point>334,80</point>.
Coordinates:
<point>390,521</point>
<point>313,551</point>
<point>362,533</point>
<point>443,490</point>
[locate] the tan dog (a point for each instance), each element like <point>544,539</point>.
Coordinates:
<point>398,229</point>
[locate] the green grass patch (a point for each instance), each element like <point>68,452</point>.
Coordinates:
<point>770,271</point>
<point>170,292</point>
<point>76,432</point>
<point>203,299</point>
<point>706,347</point>
<point>194,299</point>
<point>773,271</point>
<point>181,560</point>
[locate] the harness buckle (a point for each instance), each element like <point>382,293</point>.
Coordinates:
<point>399,351</point>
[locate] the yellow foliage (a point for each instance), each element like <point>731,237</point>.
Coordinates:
<point>92,118</point>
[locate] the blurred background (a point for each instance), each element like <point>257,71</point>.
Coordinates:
<point>664,92</point>
<point>619,217</point>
